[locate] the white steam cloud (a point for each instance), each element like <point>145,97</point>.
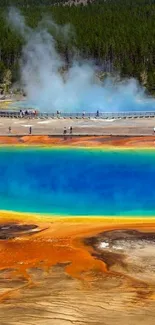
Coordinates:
<point>76,90</point>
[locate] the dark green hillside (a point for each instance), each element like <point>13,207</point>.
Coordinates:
<point>119,34</point>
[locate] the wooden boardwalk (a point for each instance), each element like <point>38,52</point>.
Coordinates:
<point>104,115</point>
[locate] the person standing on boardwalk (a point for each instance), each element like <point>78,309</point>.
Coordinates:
<point>70,131</point>
<point>30,130</point>
<point>65,133</point>
<point>9,129</point>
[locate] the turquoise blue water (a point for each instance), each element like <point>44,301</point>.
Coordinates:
<point>78,181</point>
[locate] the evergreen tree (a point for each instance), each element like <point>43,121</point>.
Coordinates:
<point>117,34</point>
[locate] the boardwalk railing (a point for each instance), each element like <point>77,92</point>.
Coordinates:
<point>104,115</point>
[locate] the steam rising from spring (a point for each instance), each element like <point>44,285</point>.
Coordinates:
<point>50,90</point>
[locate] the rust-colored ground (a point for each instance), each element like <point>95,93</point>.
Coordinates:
<point>56,266</point>
<point>86,141</point>
<point>56,240</point>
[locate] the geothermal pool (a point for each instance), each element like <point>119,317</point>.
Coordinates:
<point>78,182</point>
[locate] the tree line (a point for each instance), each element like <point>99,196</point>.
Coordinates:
<point>119,35</point>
